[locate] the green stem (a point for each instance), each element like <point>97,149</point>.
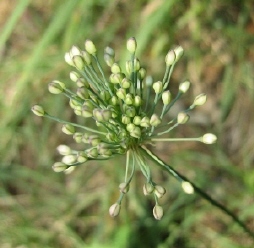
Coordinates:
<point>198,190</point>
<point>73,124</point>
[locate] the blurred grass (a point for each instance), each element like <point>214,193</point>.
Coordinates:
<point>39,208</point>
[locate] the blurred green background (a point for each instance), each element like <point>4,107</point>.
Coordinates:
<point>40,208</point>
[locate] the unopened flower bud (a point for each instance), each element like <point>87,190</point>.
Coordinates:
<point>38,110</point>
<point>74,76</point>
<point>148,189</point>
<point>159,191</point>
<point>137,120</point>
<point>170,58</point>
<point>94,140</point>
<point>90,47</point>
<point>128,99</point>
<point>200,100</point>
<point>187,187</point>
<point>69,159</point>
<point>136,132</point>
<point>184,86</point>
<point>166,97</point>
<point>114,210</point>
<point>64,150</point>
<point>82,157</point>
<point>92,152</point>
<point>157,87</point>
<point>121,93</point>
<point>182,118</point>
<point>75,51</point>
<point>142,73</point>
<point>137,101</point>
<point>136,64</point>
<point>157,212</point>
<point>78,137</point>
<point>155,120</point>
<point>56,87</point>
<point>59,167</point>
<point>131,45</point>
<point>78,62</point>
<point>130,111</point>
<point>130,127</point>
<point>126,119</point>
<point>115,68</point>
<point>83,93</point>
<point>68,59</point>
<point>87,57</point>
<point>109,59</point>
<point>68,129</point>
<point>178,52</point>
<point>126,83</point>
<point>208,138</point>
<point>124,187</point>
<point>145,122</point>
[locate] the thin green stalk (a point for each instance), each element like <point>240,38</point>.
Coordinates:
<point>198,190</point>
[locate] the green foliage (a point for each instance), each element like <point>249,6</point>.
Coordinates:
<point>39,208</point>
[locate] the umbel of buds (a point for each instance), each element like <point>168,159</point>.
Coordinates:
<point>128,112</point>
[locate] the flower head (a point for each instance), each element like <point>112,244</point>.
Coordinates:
<point>126,108</point>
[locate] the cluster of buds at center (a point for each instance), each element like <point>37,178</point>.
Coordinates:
<point>128,111</point>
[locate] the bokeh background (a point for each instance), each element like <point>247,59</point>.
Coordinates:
<point>40,208</point>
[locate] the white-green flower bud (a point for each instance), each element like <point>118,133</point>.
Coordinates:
<point>78,62</point>
<point>78,137</point>
<point>115,68</point>
<point>124,187</point>
<point>69,159</point>
<point>128,99</point>
<point>103,150</point>
<point>157,212</point>
<point>56,87</point>
<point>75,104</point>
<point>70,169</point>
<point>208,138</point>
<point>87,111</point>
<point>137,101</point>
<point>87,57</point>
<point>105,96</point>
<point>68,59</point>
<point>178,52</point>
<point>114,100</point>
<point>136,132</point>
<point>145,122</point>
<point>74,76</point>
<point>182,118</point>
<point>184,86</point>
<point>200,100</point>
<point>38,110</point>
<point>59,167</point>
<point>83,93</point>
<point>64,150</point>
<point>75,51</point>
<point>170,58</point>
<point>94,140</point>
<point>126,83</point>
<point>148,189</point>
<point>92,152</point>
<point>128,67</point>
<point>114,210</point>
<point>141,73</point>
<point>159,191</point>
<point>155,120</point>
<point>130,111</point>
<point>131,45</point>
<point>130,127</point>
<point>166,97</point>
<point>136,64</point>
<point>77,112</point>
<point>157,86</point>
<point>121,93</point>
<point>110,51</point>
<point>187,187</point>
<point>109,59</point>
<point>126,119</point>
<point>137,120</point>
<point>90,47</point>
<point>68,129</point>
<point>82,157</point>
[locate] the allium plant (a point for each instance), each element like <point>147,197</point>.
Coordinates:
<point>127,111</point>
